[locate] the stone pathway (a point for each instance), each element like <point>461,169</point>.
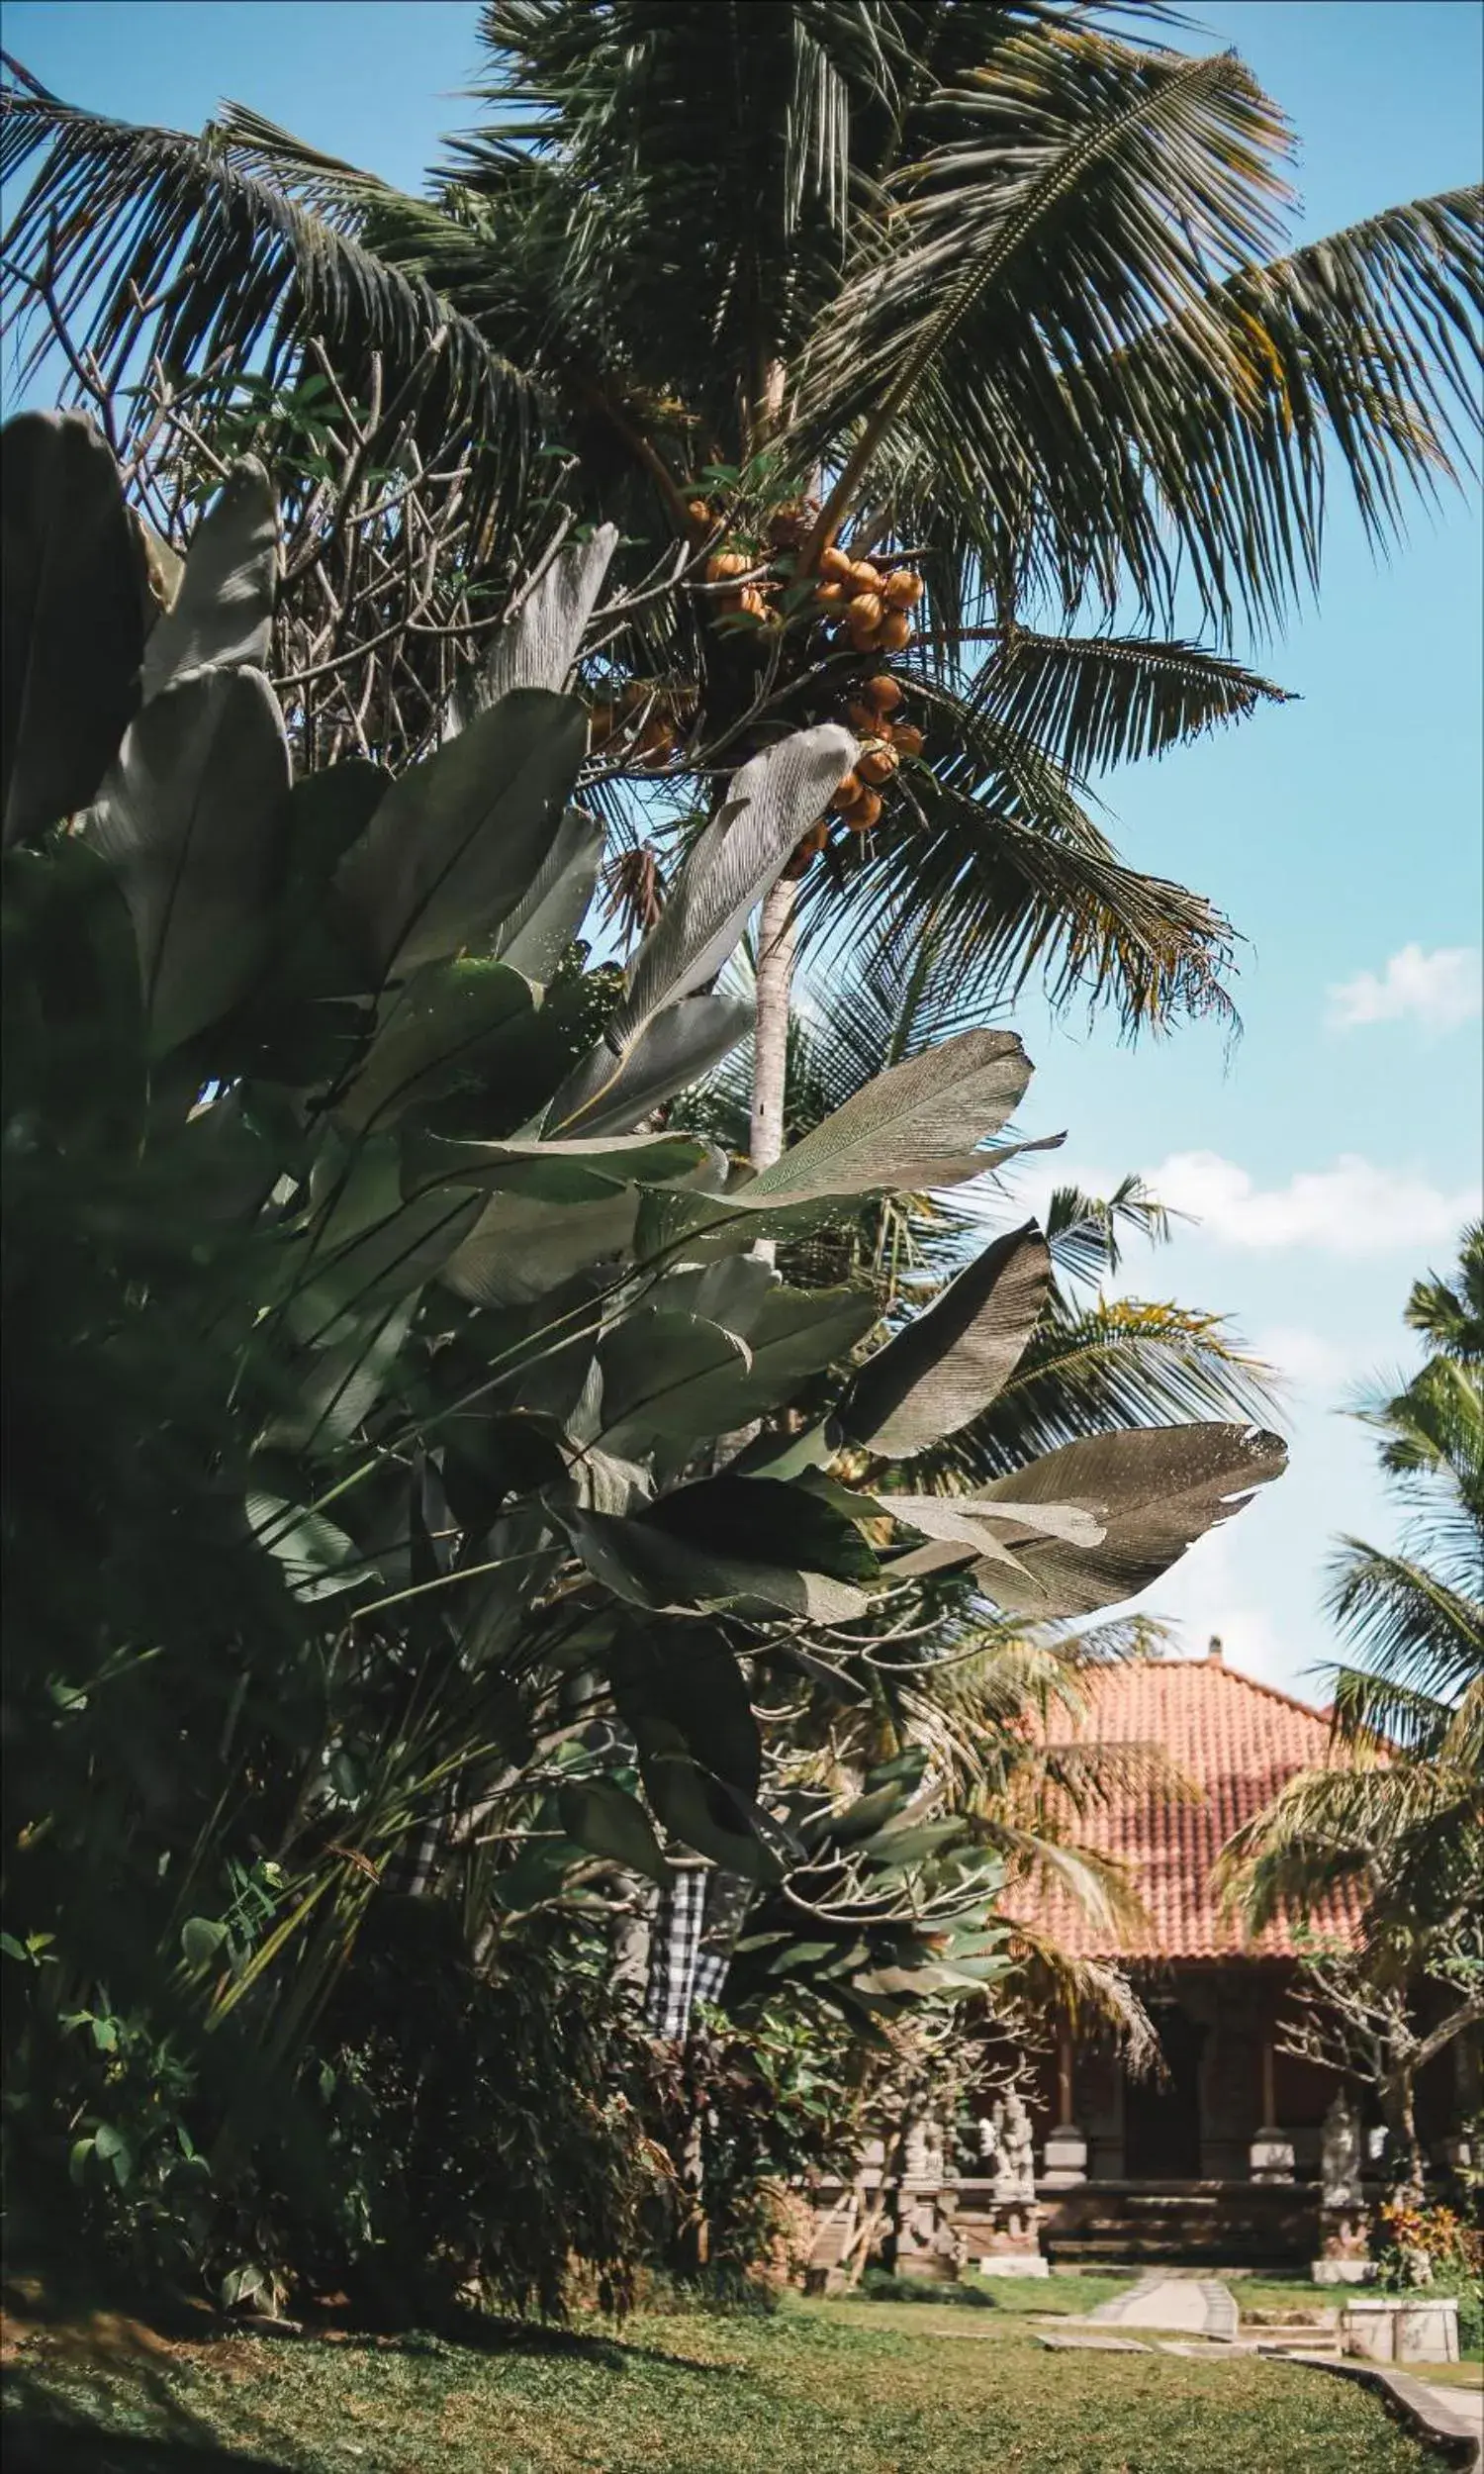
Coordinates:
<point>1192,2305</point>
<point>1085,2341</point>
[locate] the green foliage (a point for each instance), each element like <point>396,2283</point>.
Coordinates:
<point>365,1491</point>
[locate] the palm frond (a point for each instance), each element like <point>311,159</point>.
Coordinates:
<point>1095,702</point>
<point>1412,1627</point>
<point>1117,1364</point>
<point>1085,1231</point>
<point>157,244</point>
<point>997,851</point>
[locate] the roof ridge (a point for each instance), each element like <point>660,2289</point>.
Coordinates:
<point>1211,1666</point>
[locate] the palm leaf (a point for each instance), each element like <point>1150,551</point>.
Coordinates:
<point>157,243</point>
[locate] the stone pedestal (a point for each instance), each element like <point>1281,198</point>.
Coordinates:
<point>1343,2246</point>
<point>1402,2328</point>
<point>928,2241</point>
<point>1009,2240</point>
<point>1271,2156</point>
<point>1065,2162</point>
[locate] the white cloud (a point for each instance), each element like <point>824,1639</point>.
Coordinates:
<point>1305,1361</point>
<point>1442,990</point>
<point>1352,1208</point>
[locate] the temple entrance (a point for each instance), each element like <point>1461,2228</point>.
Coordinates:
<point>1161,2138</point>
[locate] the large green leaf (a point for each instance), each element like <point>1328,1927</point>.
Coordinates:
<point>733,1517</point>
<point>192,816</point>
<point>548,916</point>
<point>582,1171</point>
<point>667,1373</point>
<point>338,1387</point>
<point>443,1024</point>
<point>948,1364</point>
<point>520,1247</point>
<point>914,1128</point>
<point>458,840</point>
<point>599,1815</point>
<point>643,1565</point>
<point>317,1560</point>
<point>683,1680</point>
<point>1154,1490</point>
<point>705,1813</point>
<point>680,1047</point>
<point>541,647</point>
<point>770,805</point>
<point>222,611</point>
<point>360,1244</point>
<point>72,597</point>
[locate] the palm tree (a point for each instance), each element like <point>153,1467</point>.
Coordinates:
<point>1403,1816</point>
<point>1400,1816</point>
<point>989,287</point>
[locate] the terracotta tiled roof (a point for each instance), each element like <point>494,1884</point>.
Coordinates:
<point>1233,1740</point>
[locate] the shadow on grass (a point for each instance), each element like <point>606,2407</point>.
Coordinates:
<point>40,2435</point>
<point>487,2333</point>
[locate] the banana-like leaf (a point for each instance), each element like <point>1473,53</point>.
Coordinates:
<point>966,1530</point>
<point>1154,1490</point>
<point>343,1385</point>
<point>598,1815</point>
<point>642,1563</point>
<point>223,612</point>
<point>442,1022</point>
<point>667,1373</point>
<point>680,1047</point>
<point>679,1686</point>
<point>949,1362</point>
<point>790,1333</point>
<point>458,840</point>
<point>73,619</point>
<point>707,1814</point>
<point>519,1248</point>
<point>582,1171</point>
<point>318,1561</point>
<point>797,1333</point>
<point>544,921</point>
<point>914,1128</point>
<point>361,1244</point>
<point>728,1516</point>
<point>768,806</point>
<point>541,648</point>
<point>193,816</point>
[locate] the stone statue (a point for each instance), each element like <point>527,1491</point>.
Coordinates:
<point>1015,2168</point>
<point>1340,2155</point>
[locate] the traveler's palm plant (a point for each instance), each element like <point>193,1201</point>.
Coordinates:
<point>375,1361</point>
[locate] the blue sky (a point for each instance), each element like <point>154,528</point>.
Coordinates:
<point>1334,1153</point>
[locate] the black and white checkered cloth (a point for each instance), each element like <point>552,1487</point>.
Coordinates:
<point>674,1951</point>
<point>698,1917</point>
<point>411,1868</point>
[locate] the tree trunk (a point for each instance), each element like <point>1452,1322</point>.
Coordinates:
<point>777,940</point>
<point>1399,2113</point>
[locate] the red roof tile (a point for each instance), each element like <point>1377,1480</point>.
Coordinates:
<point>1233,1740</point>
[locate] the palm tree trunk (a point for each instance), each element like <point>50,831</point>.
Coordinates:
<point>778,942</point>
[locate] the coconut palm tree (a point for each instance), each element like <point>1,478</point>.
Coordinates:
<point>986,291</point>
<point>1402,1816</point>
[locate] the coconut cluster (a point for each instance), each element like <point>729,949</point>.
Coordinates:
<point>868,610</point>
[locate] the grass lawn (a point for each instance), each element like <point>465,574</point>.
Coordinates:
<point>821,2388</point>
